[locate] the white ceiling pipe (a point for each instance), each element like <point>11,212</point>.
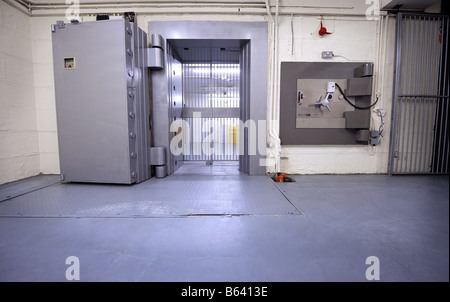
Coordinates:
<point>46,2</point>
<point>177,10</point>
<point>274,140</point>
<point>276,98</point>
<point>164,7</point>
<point>154,11</point>
<point>19,6</point>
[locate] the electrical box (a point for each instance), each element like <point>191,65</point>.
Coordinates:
<point>102,101</point>
<point>327,54</point>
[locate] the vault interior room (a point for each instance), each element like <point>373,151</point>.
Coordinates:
<point>224,141</point>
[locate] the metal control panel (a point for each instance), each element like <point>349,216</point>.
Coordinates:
<point>324,103</point>
<point>310,111</point>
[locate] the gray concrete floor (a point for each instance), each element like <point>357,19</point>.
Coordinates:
<point>320,228</point>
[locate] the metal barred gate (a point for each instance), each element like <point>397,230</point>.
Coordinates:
<point>419,138</point>
<point>211,108</point>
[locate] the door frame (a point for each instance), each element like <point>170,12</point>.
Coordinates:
<point>254,99</point>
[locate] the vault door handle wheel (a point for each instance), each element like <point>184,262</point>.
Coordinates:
<point>325,102</point>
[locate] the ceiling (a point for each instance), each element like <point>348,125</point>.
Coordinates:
<point>286,7</point>
<point>140,1</point>
<point>206,50</point>
<point>408,4</point>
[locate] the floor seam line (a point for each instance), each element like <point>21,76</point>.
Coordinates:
<point>22,194</point>
<point>140,217</point>
<point>285,196</point>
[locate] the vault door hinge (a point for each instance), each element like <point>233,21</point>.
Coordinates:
<point>155,54</point>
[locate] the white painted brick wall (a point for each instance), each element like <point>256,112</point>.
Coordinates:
<point>22,119</point>
<point>3,118</point>
<point>2,65</point>
<point>19,141</point>
<point>18,167</point>
<point>26,166</point>
<point>45,97</point>
<point>50,161</point>
<point>16,94</point>
<point>32,87</point>
<point>354,38</point>
<point>18,144</point>
<point>45,92</point>
<point>48,142</point>
<point>19,69</point>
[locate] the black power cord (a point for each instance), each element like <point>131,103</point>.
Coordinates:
<point>355,106</point>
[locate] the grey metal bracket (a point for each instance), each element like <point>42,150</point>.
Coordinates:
<point>60,24</point>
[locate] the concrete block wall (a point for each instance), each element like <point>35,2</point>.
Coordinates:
<point>354,37</point>
<point>19,137</point>
<point>41,41</point>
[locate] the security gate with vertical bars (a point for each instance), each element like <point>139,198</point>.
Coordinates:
<point>211,100</point>
<point>419,139</point>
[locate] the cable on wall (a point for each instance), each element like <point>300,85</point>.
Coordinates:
<point>353,105</point>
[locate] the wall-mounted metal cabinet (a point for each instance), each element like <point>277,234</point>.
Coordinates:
<point>313,113</point>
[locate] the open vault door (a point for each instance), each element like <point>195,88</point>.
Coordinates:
<point>101,93</point>
<point>213,81</point>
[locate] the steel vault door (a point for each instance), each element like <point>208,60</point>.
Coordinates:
<point>419,138</point>
<point>101,101</point>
